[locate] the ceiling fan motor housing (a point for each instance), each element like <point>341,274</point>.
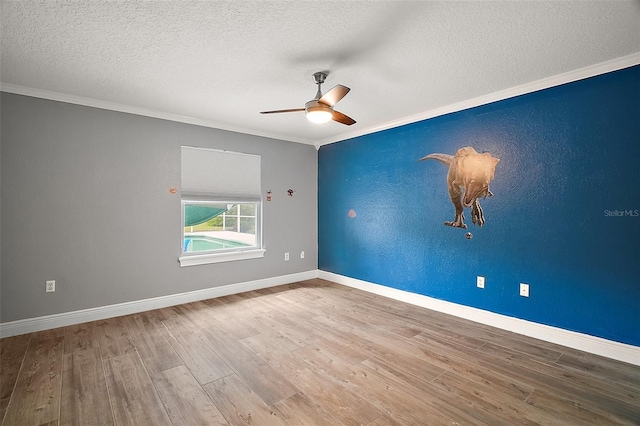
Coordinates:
<point>319,77</point>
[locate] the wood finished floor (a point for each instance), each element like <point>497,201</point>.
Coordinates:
<point>309,353</point>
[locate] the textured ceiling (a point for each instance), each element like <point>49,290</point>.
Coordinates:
<point>219,63</point>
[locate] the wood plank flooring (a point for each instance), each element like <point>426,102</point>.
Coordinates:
<point>308,353</point>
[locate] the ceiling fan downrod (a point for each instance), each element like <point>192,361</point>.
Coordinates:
<point>319,78</point>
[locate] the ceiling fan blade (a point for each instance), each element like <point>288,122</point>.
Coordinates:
<point>341,118</point>
<point>334,95</point>
<point>282,110</point>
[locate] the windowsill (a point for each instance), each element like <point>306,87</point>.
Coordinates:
<point>203,259</point>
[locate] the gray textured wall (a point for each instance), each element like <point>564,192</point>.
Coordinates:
<point>85,201</point>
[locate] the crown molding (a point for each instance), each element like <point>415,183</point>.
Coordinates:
<point>112,106</point>
<point>545,83</point>
<point>534,86</point>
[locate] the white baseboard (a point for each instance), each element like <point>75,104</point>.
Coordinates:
<point>572,339</point>
<point>47,322</point>
<point>583,342</point>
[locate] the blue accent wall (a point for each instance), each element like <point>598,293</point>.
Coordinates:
<point>565,217</point>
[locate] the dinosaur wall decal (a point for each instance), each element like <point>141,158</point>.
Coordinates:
<point>470,174</point>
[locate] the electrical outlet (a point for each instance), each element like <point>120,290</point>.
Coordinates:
<point>286,256</point>
<point>480,281</point>
<point>302,255</point>
<point>51,286</point>
<point>524,290</point>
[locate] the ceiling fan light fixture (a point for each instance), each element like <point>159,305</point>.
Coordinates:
<point>319,116</point>
<point>318,113</point>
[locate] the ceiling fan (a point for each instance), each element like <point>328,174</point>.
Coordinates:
<point>320,109</point>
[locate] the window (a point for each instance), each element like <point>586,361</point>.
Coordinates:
<point>221,206</point>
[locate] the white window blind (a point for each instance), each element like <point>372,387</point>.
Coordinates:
<point>224,175</point>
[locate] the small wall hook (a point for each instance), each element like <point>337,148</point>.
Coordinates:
<point>290,192</point>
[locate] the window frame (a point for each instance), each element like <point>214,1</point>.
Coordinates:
<point>212,176</point>
<point>221,255</point>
